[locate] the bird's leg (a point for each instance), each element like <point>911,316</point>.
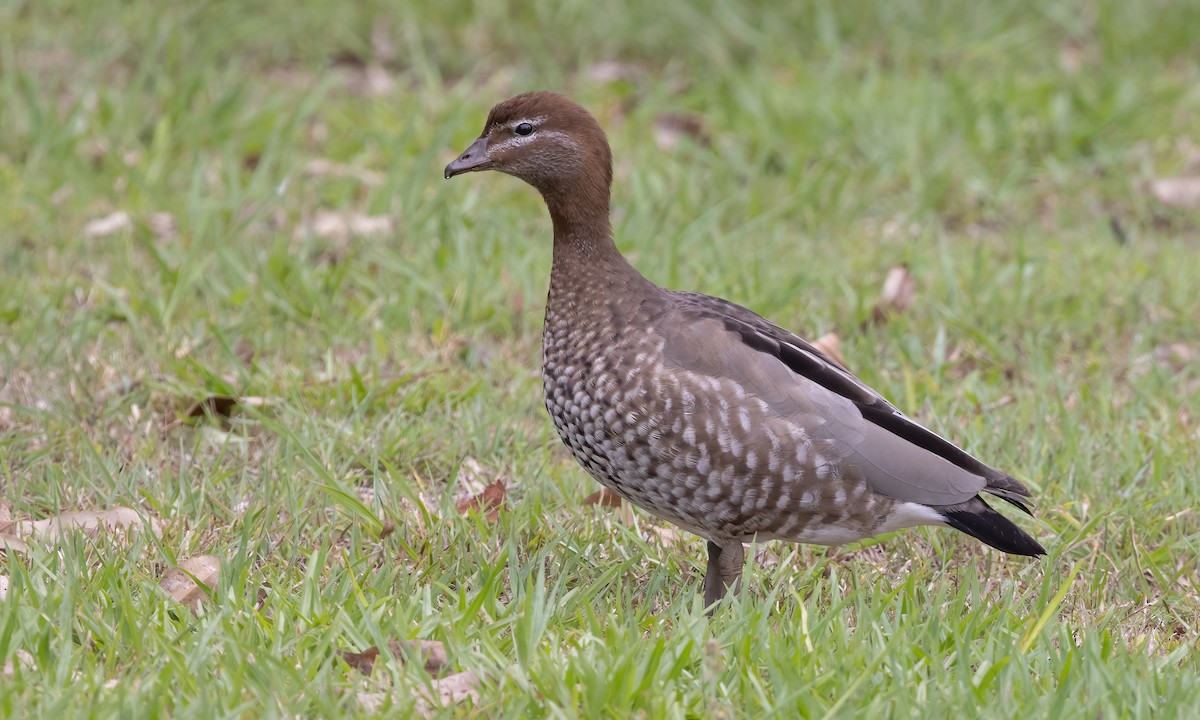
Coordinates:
<point>724,571</point>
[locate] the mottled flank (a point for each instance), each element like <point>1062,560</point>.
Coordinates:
<point>702,412</point>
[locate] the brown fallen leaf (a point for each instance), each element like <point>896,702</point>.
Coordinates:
<point>997,404</point>
<point>187,582</point>
<point>119,520</point>
<point>364,661</point>
<point>1182,192</point>
<point>244,504</point>
<point>347,57</point>
<point>22,658</point>
<point>108,225</point>
<point>450,690</point>
<point>215,405</point>
<point>389,527</point>
<point>898,293</point>
<point>262,595</point>
<point>1175,356</point>
<point>341,226</point>
<point>431,653</point>
<point>162,225</point>
<point>667,536</point>
<point>245,352</point>
<point>322,167</point>
<point>831,345</point>
<point>361,74</point>
<point>222,406</point>
<point>1172,357</point>
<point>670,128</point>
<point>604,498</point>
<point>608,499</point>
<point>490,501</point>
<point>1071,56</point>
<point>12,543</point>
<point>371,702</point>
<point>610,71</point>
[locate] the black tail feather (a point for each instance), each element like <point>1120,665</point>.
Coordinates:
<point>1021,503</point>
<point>977,519</point>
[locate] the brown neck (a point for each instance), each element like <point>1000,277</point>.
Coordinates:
<point>583,242</point>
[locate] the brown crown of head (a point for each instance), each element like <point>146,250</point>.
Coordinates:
<point>544,139</point>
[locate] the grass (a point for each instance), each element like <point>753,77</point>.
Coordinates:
<point>1002,150</point>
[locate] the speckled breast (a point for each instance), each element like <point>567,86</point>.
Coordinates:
<point>598,405</point>
<point>624,420</point>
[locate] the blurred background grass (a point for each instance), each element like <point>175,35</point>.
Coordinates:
<point>278,228</point>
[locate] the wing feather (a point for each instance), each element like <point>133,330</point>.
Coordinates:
<point>898,456</point>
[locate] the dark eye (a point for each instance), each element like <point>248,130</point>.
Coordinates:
<point>523,129</point>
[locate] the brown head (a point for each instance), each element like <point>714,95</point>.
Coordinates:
<point>554,145</point>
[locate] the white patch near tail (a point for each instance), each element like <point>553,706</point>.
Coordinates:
<point>910,514</point>
<point>903,515</point>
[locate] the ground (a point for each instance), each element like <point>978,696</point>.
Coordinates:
<point>237,298</point>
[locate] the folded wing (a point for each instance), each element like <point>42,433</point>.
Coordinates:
<point>895,455</point>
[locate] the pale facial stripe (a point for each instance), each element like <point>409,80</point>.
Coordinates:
<point>518,140</point>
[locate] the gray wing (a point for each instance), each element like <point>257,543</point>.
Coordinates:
<point>895,455</point>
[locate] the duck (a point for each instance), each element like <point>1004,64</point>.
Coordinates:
<point>702,412</point>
